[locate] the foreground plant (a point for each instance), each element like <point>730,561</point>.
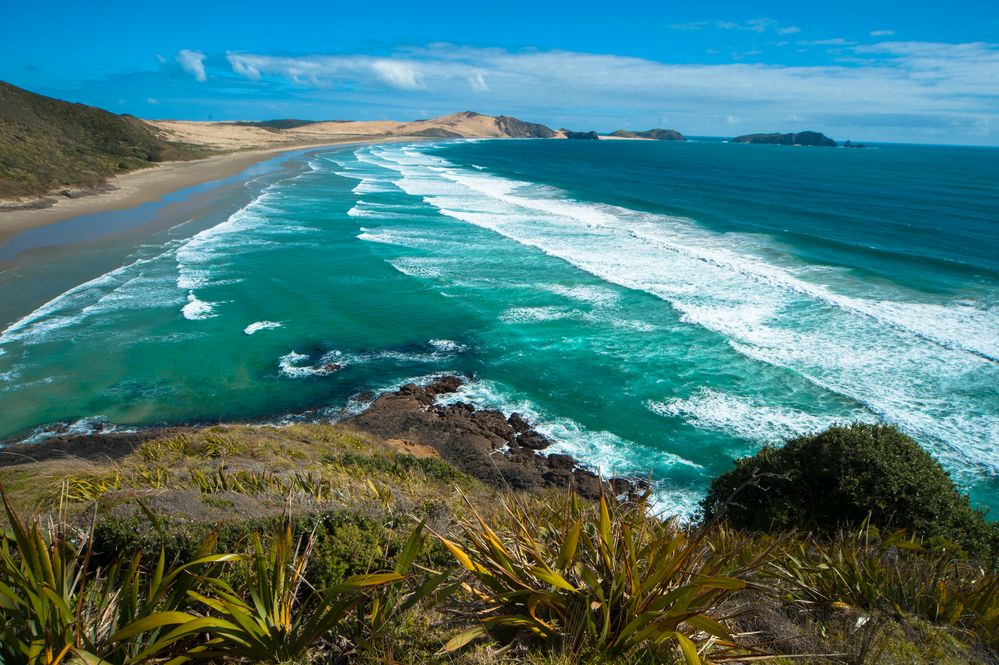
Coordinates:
<point>606,579</point>
<point>55,608</point>
<point>277,616</point>
<point>895,573</point>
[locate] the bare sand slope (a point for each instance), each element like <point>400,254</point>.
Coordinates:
<point>232,136</point>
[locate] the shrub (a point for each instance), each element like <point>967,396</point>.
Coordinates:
<point>604,580</point>
<point>842,476</point>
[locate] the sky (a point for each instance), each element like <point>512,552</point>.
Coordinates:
<point>865,71</point>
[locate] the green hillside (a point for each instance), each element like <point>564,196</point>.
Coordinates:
<point>47,144</point>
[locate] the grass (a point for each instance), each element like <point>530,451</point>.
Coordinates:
<point>48,144</point>
<point>301,517</point>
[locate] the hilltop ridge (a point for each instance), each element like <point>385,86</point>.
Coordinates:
<point>49,146</point>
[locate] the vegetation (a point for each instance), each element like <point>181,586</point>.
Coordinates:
<point>47,144</point>
<point>602,579</point>
<point>844,477</point>
<point>314,543</point>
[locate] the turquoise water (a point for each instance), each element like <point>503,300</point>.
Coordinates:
<point>658,308</point>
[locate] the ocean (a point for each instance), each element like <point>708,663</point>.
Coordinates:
<point>657,308</point>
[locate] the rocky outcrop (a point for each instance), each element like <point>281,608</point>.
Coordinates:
<point>798,138</point>
<point>483,443</point>
<point>520,129</point>
<point>585,136</point>
<point>654,134</point>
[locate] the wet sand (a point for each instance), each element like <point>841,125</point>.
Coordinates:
<point>146,185</point>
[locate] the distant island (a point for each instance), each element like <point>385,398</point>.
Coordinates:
<point>797,138</point>
<point>654,134</point>
<point>585,136</point>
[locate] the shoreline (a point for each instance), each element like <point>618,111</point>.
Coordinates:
<point>147,185</point>
<point>499,449</point>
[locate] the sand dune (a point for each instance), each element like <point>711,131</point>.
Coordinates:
<point>232,136</point>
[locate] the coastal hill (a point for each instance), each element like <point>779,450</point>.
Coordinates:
<point>47,144</point>
<point>653,134</point>
<point>50,146</point>
<point>797,138</point>
<point>275,133</point>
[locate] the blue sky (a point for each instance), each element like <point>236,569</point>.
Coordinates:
<point>894,71</point>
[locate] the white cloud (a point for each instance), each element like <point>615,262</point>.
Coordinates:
<point>192,62</point>
<point>837,41</point>
<point>881,33</point>
<point>478,82</point>
<point>152,101</point>
<point>759,25</point>
<point>916,87</point>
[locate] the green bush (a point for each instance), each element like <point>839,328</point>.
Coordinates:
<point>839,477</point>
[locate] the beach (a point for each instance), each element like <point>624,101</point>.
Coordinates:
<point>145,185</point>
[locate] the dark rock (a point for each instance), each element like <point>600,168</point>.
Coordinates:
<point>799,138</point>
<point>518,423</point>
<point>533,440</point>
<point>329,368</point>
<point>444,385</point>
<point>585,136</point>
<point>483,443</point>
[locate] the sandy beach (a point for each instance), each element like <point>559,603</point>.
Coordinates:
<point>240,146</point>
<point>143,186</point>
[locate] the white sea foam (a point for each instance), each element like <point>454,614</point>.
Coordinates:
<point>745,418</point>
<point>919,364</point>
<point>261,325</point>
<point>426,267</point>
<point>600,450</point>
<point>537,314</point>
<point>447,345</point>
<point>599,296</point>
<point>91,425</point>
<point>196,310</point>
<point>398,237</point>
<point>72,306</point>
<point>293,365</point>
